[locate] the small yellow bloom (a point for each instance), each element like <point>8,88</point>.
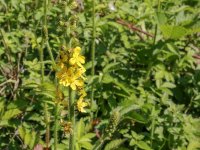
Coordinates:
<point>62,72</point>
<point>81,105</point>
<point>80,72</point>
<point>68,78</point>
<point>76,83</point>
<point>77,58</point>
<point>82,93</point>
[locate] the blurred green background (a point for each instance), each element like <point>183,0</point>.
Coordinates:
<point>146,82</point>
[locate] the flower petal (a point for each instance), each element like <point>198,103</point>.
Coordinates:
<point>72,61</point>
<point>73,86</point>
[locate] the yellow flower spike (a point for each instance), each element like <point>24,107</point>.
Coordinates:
<point>81,105</point>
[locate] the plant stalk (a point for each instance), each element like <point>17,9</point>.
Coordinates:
<point>72,118</point>
<point>56,126</point>
<point>93,55</point>
<point>47,135</point>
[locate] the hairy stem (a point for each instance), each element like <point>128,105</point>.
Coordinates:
<point>93,53</point>
<point>152,125</point>
<point>156,27</point>
<point>47,135</point>
<point>72,118</point>
<point>56,127</point>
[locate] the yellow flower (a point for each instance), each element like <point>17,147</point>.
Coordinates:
<point>62,59</point>
<point>77,58</point>
<point>60,73</point>
<point>82,93</point>
<point>80,72</point>
<point>75,83</point>
<point>68,78</point>
<point>81,105</point>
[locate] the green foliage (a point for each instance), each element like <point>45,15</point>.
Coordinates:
<point>146,83</point>
<point>114,144</point>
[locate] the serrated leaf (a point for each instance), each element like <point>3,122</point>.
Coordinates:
<point>143,145</point>
<point>33,139</point>
<point>10,114</point>
<point>173,32</point>
<point>22,132</point>
<point>114,144</point>
<point>86,145</point>
<point>27,138</point>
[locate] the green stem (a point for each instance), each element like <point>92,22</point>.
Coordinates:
<point>100,142</point>
<point>99,145</point>
<point>56,126</point>
<point>41,53</point>
<point>190,105</point>
<point>51,54</point>
<point>72,118</point>
<point>93,53</point>
<point>152,125</point>
<point>155,34</point>
<point>156,27</point>
<point>47,135</point>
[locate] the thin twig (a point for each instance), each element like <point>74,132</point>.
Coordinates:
<point>132,27</point>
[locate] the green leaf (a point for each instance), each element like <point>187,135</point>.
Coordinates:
<point>107,78</point>
<point>161,18</point>
<point>1,107</point>
<point>21,132</point>
<point>10,114</point>
<point>27,138</point>
<point>168,85</point>
<point>114,144</point>
<point>133,115</point>
<point>143,145</point>
<point>173,32</point>
<point>111,67</point>
<point>33,139</point>
<point>80,128</point>
<point>86,145</point>
<point>88,136</point>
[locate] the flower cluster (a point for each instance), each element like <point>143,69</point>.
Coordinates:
<point>71,73</point>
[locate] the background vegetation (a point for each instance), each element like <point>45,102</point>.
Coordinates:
<point>143,92</point>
